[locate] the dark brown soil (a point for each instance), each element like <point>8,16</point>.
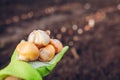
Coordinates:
<point>94,52</point>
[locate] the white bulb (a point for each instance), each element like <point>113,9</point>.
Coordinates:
<point>39,37</point>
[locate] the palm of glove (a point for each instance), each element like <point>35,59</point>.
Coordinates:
<point>32,70</point>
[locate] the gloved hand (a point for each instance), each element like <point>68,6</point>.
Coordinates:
<point>30,70</point>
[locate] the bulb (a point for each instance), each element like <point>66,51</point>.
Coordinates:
<point>47,53</point>
<point>12,78</point>
<point>57,45</point>
<point>39,38</point>
<point>48,32</point>
<point>27,51</point>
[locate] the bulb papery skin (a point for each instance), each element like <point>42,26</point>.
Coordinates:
<point>12,78</point>
<point>57,45</point>
<point>27,51</point>
<point>47,53</point>
<point>39,38</point>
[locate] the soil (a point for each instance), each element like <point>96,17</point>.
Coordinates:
<point>91,29</point>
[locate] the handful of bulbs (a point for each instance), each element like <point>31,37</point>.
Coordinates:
<point>39,46</point>
<point>38,55</point>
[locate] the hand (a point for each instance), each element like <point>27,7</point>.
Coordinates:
<point>30,70</point>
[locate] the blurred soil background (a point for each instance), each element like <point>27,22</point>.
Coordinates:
<point>90,27</point>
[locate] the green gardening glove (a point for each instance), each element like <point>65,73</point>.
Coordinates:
<point>30,70</point>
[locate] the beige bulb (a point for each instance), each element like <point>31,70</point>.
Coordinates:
<point>12,78</point>
<point>47,53</point>
<point>39,38</point>
<point>27,51</point>
<point>57,45</point>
